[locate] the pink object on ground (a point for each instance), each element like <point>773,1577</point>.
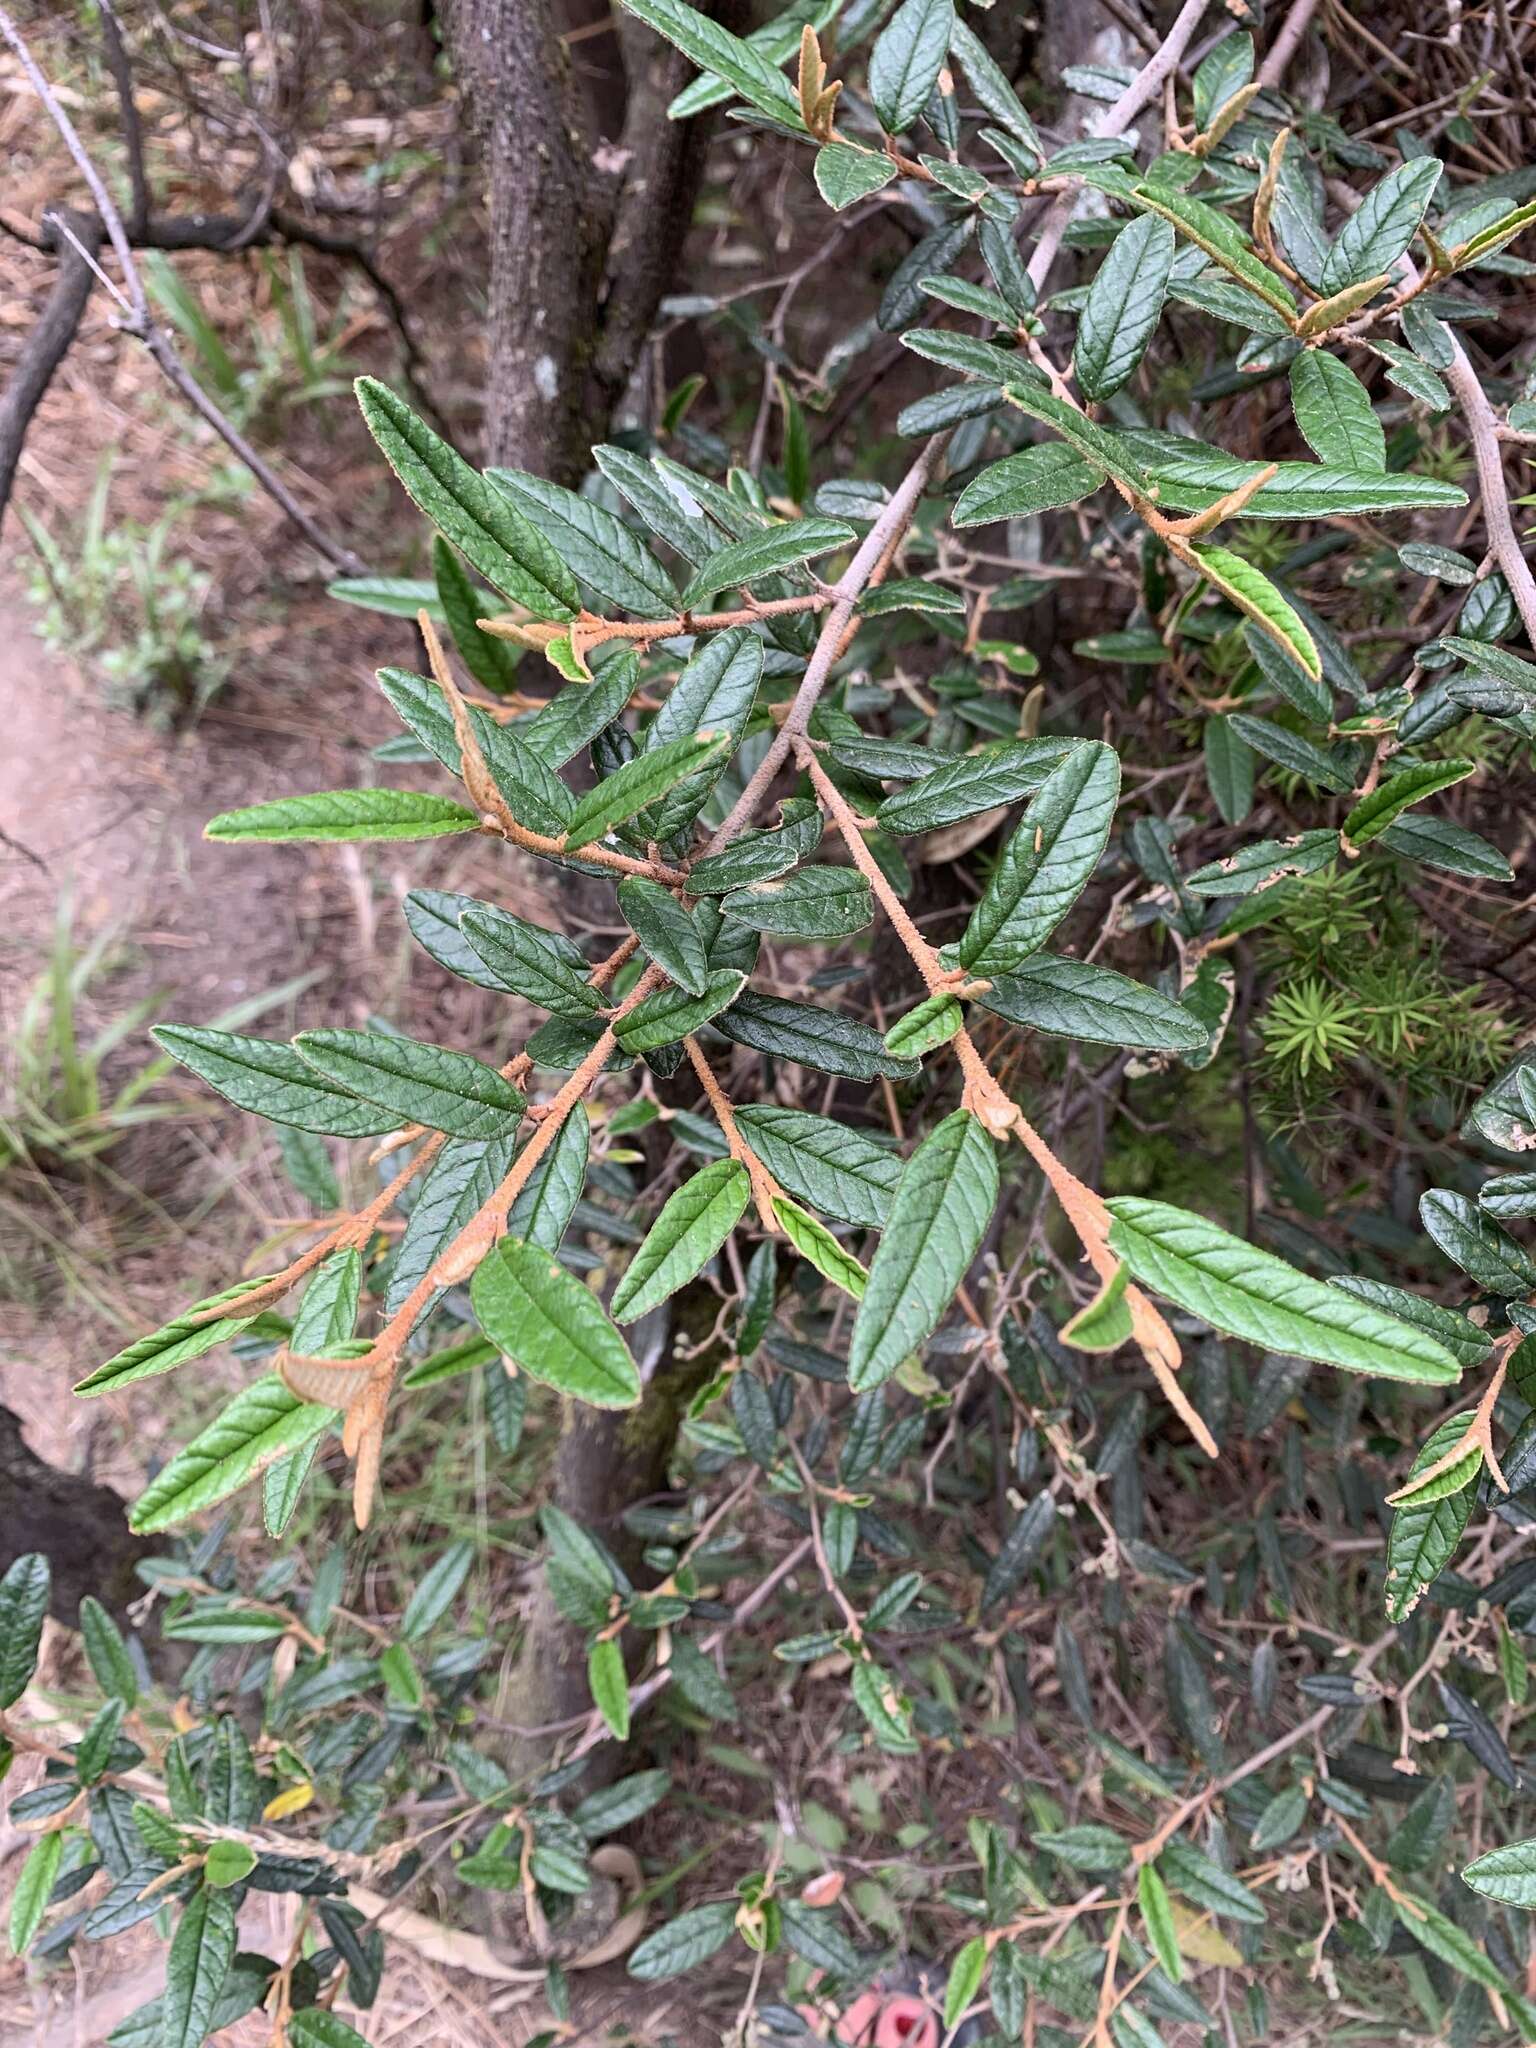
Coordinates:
<point>887,2019</point>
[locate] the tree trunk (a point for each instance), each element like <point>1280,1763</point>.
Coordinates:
<point>586,233</point>
<point>80,1527</point>
<point>585,228</point>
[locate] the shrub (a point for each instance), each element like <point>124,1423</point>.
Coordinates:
<point>882,1339</point>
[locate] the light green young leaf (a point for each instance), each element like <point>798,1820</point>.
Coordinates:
<point>263,1423</point>
<point>844,174</point>
<point>932,1023</point>
<point>965,1975</point>
<point>816,1244</point>
<point>1255,596</point>
<point>482,522</point>
<point>1374,813</point>
<point>608,1683</point>
<point>1157,1919</point>
<point>937,1219</point>
<point>177,1342</point>
<point>363,814</point>
<point>543,1319</point>
<point>1251,1294</point>
<point>1047,863</point>
<point>34,1883</point>
<point>694,1223</point>
<point>418,1083</point>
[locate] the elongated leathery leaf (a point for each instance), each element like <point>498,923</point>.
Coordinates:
<point>1425,1532</point>
<point>827,1164</point>
<point>715,692</point>
<point>1123,307</point>
<point>1046,865</point>
<point>464,1175</point>
<point>737,60</point>
<point>694,1223</point>
<point>480,520</point>
<point>811,903</point>
<point>943,1203</point>
<point>1076,999</point>
<point>345,814</point>
<point>816,1244</point>
<point>1037,479</point>
<point>542,1317</point>
<point>418,1083</point>
<point>177,1342</point>
<point>1191,477</point>
<point>1251,1294</point>
<point>273,1081</point>
<point>547,1201</point>
<point>1373,814</point>
<point>23,1604</point>
<point>1333,410</point>
<point>263,1423</point>
<point>815,1037</point>
<point>907,57</point>
<point>641,781</point>
<point>202,1949</point>
<point>672,1013</point>
<point>766,553</point>
<point>544,967</point>
<point>666,930</point>
<point>1506,1875</point>
<point>996,775</point>
<point>1377,233</point>
<point>594,543</point>
<point>1253,593</point>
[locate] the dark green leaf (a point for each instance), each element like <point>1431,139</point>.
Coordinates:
<point>937,1219</point>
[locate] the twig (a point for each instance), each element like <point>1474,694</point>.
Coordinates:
<point>139,322</point>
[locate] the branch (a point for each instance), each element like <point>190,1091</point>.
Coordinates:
<point>133,133</point>
<point>139,322</point>
<point>46,346</point>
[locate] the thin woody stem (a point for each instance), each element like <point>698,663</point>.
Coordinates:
<point>877,545</point>
<point>495,812</point>
<point>764,1186</point>
<point>990,1103</point>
